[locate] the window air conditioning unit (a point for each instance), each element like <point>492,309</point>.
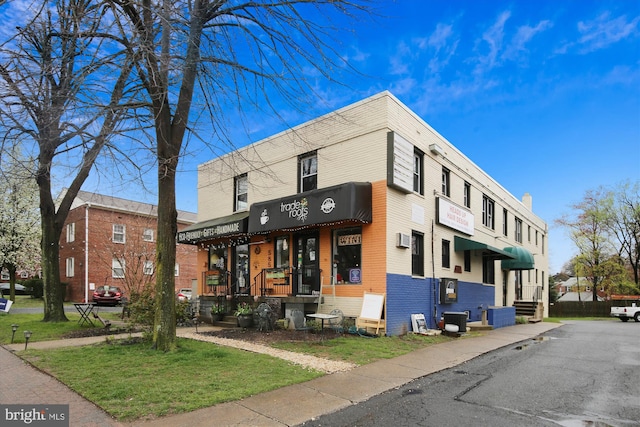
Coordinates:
<point>403,240</point>
<point>436,149</point>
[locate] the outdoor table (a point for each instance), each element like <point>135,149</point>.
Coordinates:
<point>322,317</point>
<point>85,310</point>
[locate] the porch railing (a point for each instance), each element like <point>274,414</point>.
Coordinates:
<point>531,293</point>
<point>274,282</point>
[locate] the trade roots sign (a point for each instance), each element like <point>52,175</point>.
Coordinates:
<point>350,201</point>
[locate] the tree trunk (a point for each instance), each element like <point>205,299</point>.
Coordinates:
<point>53,292</point>
<point>164,331</point>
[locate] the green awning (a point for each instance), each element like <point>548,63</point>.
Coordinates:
<point>523,259</point>
<point>461,244</point>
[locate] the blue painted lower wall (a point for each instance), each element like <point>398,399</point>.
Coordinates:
<point>499,317</point>
<point>408,295</point>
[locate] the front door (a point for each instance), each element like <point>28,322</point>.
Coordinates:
<point>307,263</point>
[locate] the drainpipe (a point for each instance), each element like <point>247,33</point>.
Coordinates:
<point>86,253</point>
<point>433,271</point>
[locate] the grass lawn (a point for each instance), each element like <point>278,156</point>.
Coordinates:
<point>130,381</point>
<point>134,382</point>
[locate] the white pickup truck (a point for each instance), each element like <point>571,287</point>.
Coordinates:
<point>626,313</point>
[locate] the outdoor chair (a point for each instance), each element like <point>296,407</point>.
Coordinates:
<point>337,323</point>
<point>297,317</point>
<point>264,312</point>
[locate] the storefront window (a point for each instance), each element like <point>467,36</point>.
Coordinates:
<point>347,255</point>
<point>216,278</point>
<point>282,252</point>
<point>241,269</point>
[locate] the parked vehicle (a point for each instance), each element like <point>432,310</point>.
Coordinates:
<point>184,294</point>
<point>20,290</point>
<point>626,313</point>
<point>107,295</point>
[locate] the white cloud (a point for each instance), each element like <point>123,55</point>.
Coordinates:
<point>493,37</point>
<point>523,36</point>
<point>604,31</point>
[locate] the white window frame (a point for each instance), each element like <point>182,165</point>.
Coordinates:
<point>71,232</point>
<point>118,268</point>
<point>4,275</point>
<point>518,231</point>
<point>446,182</point>
<point>488,212</point>
<point>467,195</point>
<point>147,235</point>
<point>176,270</point>
<point>241,197</point>
<point>117,232</point>
<point>148,268</point>
<point>418,171</point>
<point>313,158</point>
<point>70,267</point>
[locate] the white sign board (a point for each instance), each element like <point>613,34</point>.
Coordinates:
<point>455,216</point>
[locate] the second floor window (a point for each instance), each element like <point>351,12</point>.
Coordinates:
<point>505,227</point>
<point>446,185</point>
<point>488,207</point>
<point>418,171</point>
<point>308,172</point>
<point>241,193</point>
<point>147,269</point>
<point>518,230</point>
<point>147,235</point>
<point>118,233</point>
<point>71,232</point>
<point>467,195</point>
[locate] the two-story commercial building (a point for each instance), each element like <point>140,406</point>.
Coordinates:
<point>111,241</point>
<point>366,199</point>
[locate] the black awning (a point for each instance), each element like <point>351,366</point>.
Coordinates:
<point>461,244</point>
<point>345,202</point>
<point>523,259</point>
<point>232,225</point>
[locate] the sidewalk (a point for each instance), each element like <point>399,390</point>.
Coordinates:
<point>330,393</point>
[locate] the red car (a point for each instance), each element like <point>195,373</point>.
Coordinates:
<point>107,295</point>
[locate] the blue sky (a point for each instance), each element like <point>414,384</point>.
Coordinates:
<point>543,95</point>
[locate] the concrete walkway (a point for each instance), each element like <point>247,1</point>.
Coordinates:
<point>288,406</point>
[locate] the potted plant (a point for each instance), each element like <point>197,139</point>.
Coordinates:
<point>244,313</point>
<point>218,311</point>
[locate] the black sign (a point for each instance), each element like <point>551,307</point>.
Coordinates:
<point>212,229</point>
<point>344,202</point>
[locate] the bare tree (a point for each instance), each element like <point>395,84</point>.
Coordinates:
<point>225,51</point>
<point>62,86</point>
<point>624,224</point>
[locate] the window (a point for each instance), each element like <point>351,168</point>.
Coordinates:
<point>4,275</point>
<point>418,171</point>
<point>147,235</point>
<point>505,223</point>
<point>488,270</point>
<point>147,269</point>
<point>118,233</point>
<point>446,254</point>
<point>71,232</point>
<point>282,252</point>
<point>347,255</point>
<point>117,268</point>
<point>70,267</point>
<point>488,207</point>
<point>446,185</point>
<point>518,230</point>
<point>308,171</point>
<point>176,270</point>
<point>467,195</point>
<point>543,245</point>
<point>529,233</point>
<point>467,260</point>
<point>417,254</point>
<point>536,237</point>
<point>241,185</point>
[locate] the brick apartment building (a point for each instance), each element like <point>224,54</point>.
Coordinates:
<point>115,238</point>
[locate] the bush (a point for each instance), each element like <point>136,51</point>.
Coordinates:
<point>35,287</point>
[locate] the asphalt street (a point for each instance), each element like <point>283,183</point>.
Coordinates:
<point>582,374</point>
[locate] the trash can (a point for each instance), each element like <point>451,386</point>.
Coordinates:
<point>456,318</point>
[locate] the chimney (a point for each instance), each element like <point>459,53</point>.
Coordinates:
<point>528,201</point>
